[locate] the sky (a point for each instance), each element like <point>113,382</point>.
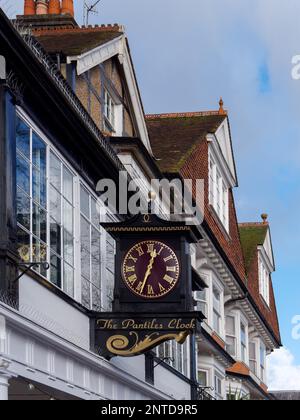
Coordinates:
<point>189,53</point>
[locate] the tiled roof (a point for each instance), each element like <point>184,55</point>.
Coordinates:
<point>76,41</point>
<point>174,136</point>
<point>252,235</point>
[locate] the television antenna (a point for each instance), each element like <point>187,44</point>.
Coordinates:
<point>89,8</point>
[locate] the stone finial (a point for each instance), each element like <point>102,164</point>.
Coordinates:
<point>264,217</point>
<point>221,109</point>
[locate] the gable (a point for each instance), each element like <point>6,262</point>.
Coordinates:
<point>221,145</point>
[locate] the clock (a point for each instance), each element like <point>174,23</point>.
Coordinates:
<point>151,269</point>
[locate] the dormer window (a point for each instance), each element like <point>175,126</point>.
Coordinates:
<point>218,192</point>
<point>109,110</point>
<point>264,281</point>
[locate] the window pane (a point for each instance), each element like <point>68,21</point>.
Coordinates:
<point>55,205</point>
<point>230,325</point>
<point>23,174</point>
<point>95,213</point>
<point>55,267</point>
<point>96,244</point>
<point>68,248</point>
<point>23,209</point>
<point>252,351</point>
<point>68,217</point>
<point>39,223</point>
<point>68,185</point>
<point>55,172</point>
<point>38,153</point>
<point>96,299</point>
<point>243,334</point>
<point>96,273</point>
<point>230,345</point>
<point>39,186</point>
<point>24,245</point>
<point>23,138</point>
<point>68,280</point>
<point>55,236</point>
<point>216,322</point>
<point>86,293</point>
<point>39,254</point>
<point>85,203</point>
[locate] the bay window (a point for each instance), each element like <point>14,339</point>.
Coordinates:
<point>217,315</point>
<point>243,343</point>
<point>262,361</point>
<point>231,335</point>
<point>201,301</point>
<point>59,222</point>
<point>203,378</point>
<point>264,281</point>
<point>218,387</point>
<point>253,357</point>
<point>218,192</point>
<point>175,355</point>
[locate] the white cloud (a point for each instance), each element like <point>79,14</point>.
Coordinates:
<point>283,373</point>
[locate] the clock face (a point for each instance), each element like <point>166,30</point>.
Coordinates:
<point>151,269</point>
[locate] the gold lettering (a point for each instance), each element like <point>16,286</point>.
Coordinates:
<point>140,251</point>
<point>132,258</point>
<point>161,288</point>
<point>169,258</point>
<point>173,269</point>
<point>150,248</point>
<point>150,290</point>
<point>169,279</point>
<point>132,279</point>
<point>139,287</point>
<point>130,269</point>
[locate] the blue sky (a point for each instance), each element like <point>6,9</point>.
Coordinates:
<point>187,54</point>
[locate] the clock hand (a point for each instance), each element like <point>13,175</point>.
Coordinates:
<point>149,270</point>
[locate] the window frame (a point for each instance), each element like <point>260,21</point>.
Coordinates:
<point>77,182</point>
<point>218,191</point>
<point>232,336</point>
<point>264,279</point>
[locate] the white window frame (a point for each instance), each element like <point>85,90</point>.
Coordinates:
<point>230,335</point>
<point>264,279</point>
<point>218,395</point>
<point>178,354</point>
<point>218,191</point>
<point>109,109</point>
<point>262,361</point>
<point>254,360</point>
<point>78,181</point>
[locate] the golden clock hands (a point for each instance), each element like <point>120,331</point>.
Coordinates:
<point>149,269</point>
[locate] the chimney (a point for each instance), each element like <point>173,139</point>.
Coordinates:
<point>67,7</point>
<point>54,7</point>
<point>42,7</point>
<point>29,7</point>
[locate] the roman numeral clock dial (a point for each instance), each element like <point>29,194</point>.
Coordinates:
<point>151,269</point>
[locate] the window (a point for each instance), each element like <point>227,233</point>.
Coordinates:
<point>252,357</point>
<point>218,388</point>
<point>109,109</point>
<point>264,281</point>
<point>231,335</point>
<point>201,300</point>
<point>243,343</point>
<point>45,211</point>
<point>217,310</point>
<point>218,192</point>
<point>262,361</point>
<point>175,355</point>
<point>203,378</point>
<point>52,229</point>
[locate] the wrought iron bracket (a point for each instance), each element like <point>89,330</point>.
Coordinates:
<point>29,266</point>
<point>164,360</point>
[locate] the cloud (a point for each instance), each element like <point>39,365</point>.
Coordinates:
<point>283,373</point>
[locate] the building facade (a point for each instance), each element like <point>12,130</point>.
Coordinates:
<point>71,115</point>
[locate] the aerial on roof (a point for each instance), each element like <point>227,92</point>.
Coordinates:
<point>76,41</point>
<point>174,136</point>
<point>252,235</point>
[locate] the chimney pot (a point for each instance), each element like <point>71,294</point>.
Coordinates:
<point>54,7</point>
<point>29,7</point>
<point>41,7</point>
<point>67,7</point>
